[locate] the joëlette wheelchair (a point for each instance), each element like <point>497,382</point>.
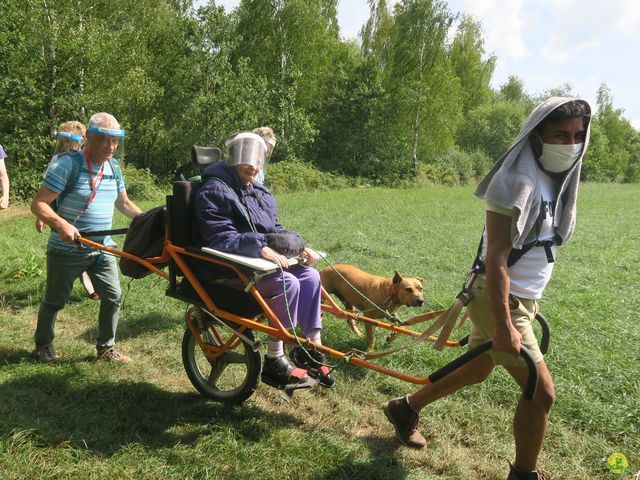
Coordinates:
<point>220,352</point>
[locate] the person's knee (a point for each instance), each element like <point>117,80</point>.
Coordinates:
<point>313,275</point>
<point>545,396</point>
<point>112,294</point>
<point>292,283</point>
<point>53,304</point>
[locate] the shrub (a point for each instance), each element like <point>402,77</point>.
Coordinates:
<point>25,182</point>
<point>438,174</point>
<point>141,183</point>
<point>455,167</point>
<point>296,176</point>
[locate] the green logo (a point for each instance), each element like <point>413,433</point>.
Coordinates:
<point>617,463</point>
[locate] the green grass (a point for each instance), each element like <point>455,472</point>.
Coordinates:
<point>91,420</point>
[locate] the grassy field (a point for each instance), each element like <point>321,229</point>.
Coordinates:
<point>92,420</point>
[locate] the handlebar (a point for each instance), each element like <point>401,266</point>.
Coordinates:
<point>532,379</point>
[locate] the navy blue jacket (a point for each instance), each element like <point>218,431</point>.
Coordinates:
<point>232,217</point>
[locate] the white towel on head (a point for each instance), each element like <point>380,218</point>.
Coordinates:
<point>513,183</point>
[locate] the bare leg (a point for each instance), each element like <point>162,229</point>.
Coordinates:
<point>530,420</point>
<point>470,373</point>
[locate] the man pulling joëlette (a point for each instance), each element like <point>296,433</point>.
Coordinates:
<point>79,192</point>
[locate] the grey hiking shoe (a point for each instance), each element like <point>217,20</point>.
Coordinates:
<point>516,474</point>
<point>112,355</point>
<point>46,354</point>
<point>405,421</point>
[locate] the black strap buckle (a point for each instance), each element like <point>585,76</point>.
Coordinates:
<point>547,249</point>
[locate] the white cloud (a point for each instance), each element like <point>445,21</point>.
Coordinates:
<point>557,53</point>
<point>577,26</point>
<point>504,25</point>
<point>630,20</point>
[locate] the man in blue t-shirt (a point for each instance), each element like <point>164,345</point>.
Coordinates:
<point>84,187</point>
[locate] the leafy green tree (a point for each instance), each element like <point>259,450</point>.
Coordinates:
<point>470,66</point>
<point>291,44</point>
<point>512,90</point>
<point>426,88</point>
<point>596,165</point>
<point>491,128</point>
<point>377,33</point>
<point>349,129</point>
<point>622,138</point>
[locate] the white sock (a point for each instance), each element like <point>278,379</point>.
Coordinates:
<point>314,336</point>
<point>275,347</point>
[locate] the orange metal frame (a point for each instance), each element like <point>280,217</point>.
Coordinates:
<point>273,325</point>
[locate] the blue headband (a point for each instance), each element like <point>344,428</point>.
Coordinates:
<point>112,132</point>
<point>72,136</point>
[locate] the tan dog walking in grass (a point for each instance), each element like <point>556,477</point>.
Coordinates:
<point>382,294</point>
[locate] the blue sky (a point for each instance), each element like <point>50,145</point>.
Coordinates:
<point>548,43</point>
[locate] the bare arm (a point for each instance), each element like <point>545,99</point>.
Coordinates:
<point>126,206</point>
<point>41,208</point>
<point>506,338</point>
<point>4,185</point>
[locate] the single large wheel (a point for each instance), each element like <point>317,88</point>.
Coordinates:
<point>229,372</point>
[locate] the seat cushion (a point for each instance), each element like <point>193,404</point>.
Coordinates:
<point>231,299</point>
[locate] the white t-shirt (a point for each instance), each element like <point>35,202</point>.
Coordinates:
<point>531,273</point>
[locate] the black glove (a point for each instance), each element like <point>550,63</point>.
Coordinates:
<point>285,244</point>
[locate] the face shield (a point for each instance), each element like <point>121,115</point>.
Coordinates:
<point>105,143</point>
<point>246,149</point>
<point>66,141</point>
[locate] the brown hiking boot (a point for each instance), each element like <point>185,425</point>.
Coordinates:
<point>405,421</point>
<point>112,355</point>
<point>516,474</point>
<point>46,354</point>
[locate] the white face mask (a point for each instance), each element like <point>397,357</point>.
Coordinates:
<point>559,158</point>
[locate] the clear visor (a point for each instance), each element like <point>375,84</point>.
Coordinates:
<point>246,149</point>
<point>107,141</point>
<point>66,141</point>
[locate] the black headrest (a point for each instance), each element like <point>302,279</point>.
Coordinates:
<point>205,155</point>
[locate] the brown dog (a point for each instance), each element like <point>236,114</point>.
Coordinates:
<point>388,294</point>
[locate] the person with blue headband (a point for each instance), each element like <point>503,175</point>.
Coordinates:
<point>71,135</point>
<point>79,191</point>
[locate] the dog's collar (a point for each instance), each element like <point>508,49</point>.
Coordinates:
<point>392,294</point>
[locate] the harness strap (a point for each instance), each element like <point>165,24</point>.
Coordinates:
<point>445,321</point>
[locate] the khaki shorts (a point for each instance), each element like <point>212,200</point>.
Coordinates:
<point>523,312</point>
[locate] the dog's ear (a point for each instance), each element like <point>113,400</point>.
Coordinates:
<point>420,279</point>
<point>397,278</point>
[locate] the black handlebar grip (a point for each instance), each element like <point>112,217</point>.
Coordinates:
<point>532,379</point>
<point>546,333</point>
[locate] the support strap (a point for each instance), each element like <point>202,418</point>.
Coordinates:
<point>445,321</point>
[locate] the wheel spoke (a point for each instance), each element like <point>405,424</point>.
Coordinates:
<point>235,357</point>
<point>217,369</point>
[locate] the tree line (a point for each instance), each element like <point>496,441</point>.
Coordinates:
<point>412,97</point>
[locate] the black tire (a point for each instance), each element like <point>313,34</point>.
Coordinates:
<point>232,377</point>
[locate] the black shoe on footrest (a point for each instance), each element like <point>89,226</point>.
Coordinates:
<point>315,363</point>
<point>278,372</point>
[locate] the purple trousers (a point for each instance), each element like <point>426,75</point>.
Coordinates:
<point>303,295</point>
